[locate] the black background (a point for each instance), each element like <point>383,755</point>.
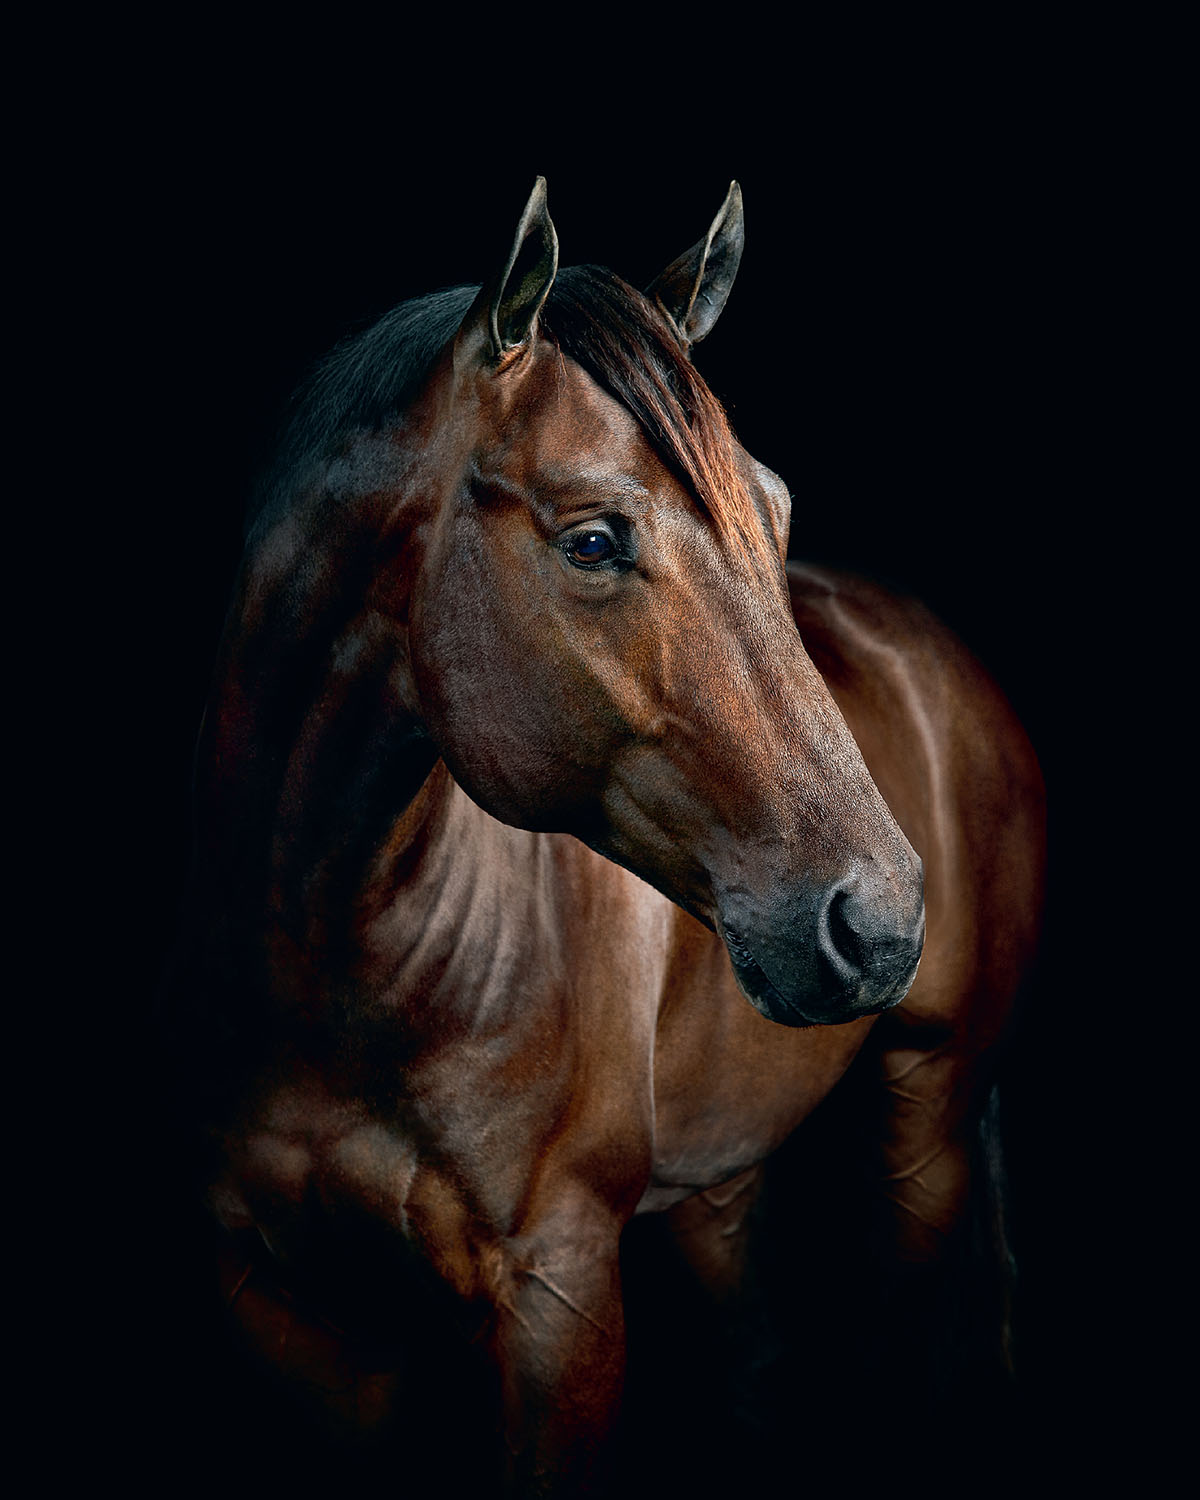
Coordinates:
<point>918,342</point>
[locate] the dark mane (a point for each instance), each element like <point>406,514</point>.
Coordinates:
<point>594,318</point>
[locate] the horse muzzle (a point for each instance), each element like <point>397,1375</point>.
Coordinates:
<point>835,955</point>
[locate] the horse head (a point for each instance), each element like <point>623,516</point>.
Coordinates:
<point>590,587</point>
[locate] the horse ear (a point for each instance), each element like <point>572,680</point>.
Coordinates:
<point>692,290</point>
<point>515,298</point>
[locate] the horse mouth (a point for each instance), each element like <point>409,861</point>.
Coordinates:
<point>836,1002</point>
<point>757,988</point>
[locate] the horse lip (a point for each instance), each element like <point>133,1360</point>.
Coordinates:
<point>757,988</point>
<point>772,1003</point>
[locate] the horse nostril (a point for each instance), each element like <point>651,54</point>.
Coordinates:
<point>845,937</point>
<point>868,940</point>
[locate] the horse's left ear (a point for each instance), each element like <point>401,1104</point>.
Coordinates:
<point>693,289</point>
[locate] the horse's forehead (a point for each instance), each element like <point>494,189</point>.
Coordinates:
<point>556,416</point>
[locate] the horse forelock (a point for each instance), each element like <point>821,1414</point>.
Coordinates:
<point>594,318</point>
<point>621,339</point>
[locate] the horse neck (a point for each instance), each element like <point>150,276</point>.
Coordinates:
<point>327,820</point>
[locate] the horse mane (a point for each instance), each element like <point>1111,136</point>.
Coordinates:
<point>594,318</point>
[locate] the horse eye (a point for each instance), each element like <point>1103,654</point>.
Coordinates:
<point>591,547</point>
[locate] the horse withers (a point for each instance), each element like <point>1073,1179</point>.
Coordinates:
<point>547,876</point>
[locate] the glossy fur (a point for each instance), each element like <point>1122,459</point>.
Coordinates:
<point>531,896</point>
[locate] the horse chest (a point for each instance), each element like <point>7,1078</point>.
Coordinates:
<point>732,1089</point>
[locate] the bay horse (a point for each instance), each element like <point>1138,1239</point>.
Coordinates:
<point>548,876</point>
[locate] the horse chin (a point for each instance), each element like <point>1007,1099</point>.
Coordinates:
<point>768,1001</point>
<point>771,1002</point>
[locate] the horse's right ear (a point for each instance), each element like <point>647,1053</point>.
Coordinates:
<point>506,310</point>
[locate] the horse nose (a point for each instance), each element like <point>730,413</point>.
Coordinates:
<point>871,943</point>
<point>831,954</point>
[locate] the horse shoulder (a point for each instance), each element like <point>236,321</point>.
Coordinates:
<point>957,769</point>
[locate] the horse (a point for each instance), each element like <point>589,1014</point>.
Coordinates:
<point>563,852</point>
